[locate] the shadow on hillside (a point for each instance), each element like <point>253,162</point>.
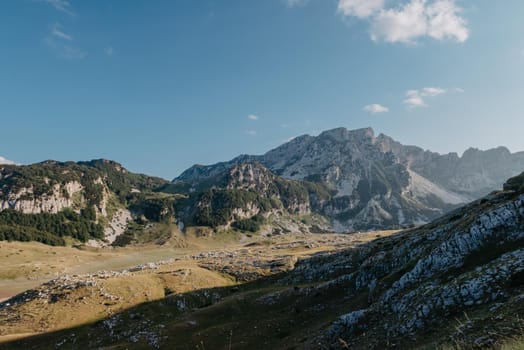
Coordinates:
<point>262,314</point>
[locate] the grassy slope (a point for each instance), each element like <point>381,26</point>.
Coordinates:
<point>183,276</point>
<point>216,314</point>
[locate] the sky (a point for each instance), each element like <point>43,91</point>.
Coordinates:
<point>160,85</point>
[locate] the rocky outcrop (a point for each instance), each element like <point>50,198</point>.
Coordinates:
<point>71,199</point>
<point>250,176</point>
<point>61,196</point>
<point>117,226</point>
<point>244,192</point>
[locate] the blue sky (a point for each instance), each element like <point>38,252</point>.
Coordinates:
<point>161,85</point>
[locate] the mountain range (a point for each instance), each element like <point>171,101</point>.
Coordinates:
<point>339,181</point>
<point>366,182</point>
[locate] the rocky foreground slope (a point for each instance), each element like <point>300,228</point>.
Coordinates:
<point>458,281</point>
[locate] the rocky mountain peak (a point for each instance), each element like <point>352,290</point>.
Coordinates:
<point>250,176</point>
<point>104,163</point>
<point>374,181</point>
<point>472,153</point>
<point>345,135</point>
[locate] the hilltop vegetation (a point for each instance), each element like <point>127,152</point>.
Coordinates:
<point>48,201</point>
<point>92,175</point>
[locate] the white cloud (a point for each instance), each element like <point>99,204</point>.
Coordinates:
<point>252,117</point>
<point>459,90</point>
<point>251,132</point>
<point>375,108</point>
<point>444,21</point>
<point>437,19</point>
<point>400,25</point>
<point>56,30</point>
<point>432,91</point>
<point>359,8</point>
<point>6,161</point>
<point>415,98</point>
<point>295,3</point>
<point>62,6</point>
<point>109,50</point>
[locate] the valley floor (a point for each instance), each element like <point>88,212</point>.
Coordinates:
<point>67,287</point>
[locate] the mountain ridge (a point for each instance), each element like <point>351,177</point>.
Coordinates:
<point>342,180</point>
<point>377,181</point>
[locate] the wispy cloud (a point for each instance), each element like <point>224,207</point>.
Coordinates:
<point>61,43</point>
<point>295,3</point>
<point>416,98</point>
<point>432,91</point>
<point>375,108</point>
<point>251,132</point>
<point>62,6</point>
<point>437,19</point>
<point>359,8</point>
<point>65,51</point>
<point>6,161</point>
<point>57,31</point>
<point>109,50</point>
<point>252,117</point>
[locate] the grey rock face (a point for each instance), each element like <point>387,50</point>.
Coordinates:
<point>376,182</point>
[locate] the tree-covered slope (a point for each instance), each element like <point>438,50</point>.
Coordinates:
<point>52,200</point>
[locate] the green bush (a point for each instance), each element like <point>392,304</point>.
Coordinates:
<point>251,224</point>
<point>515,184</point>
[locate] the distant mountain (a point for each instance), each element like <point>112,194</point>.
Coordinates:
<point>375,182</point>
<point>342,180</point>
